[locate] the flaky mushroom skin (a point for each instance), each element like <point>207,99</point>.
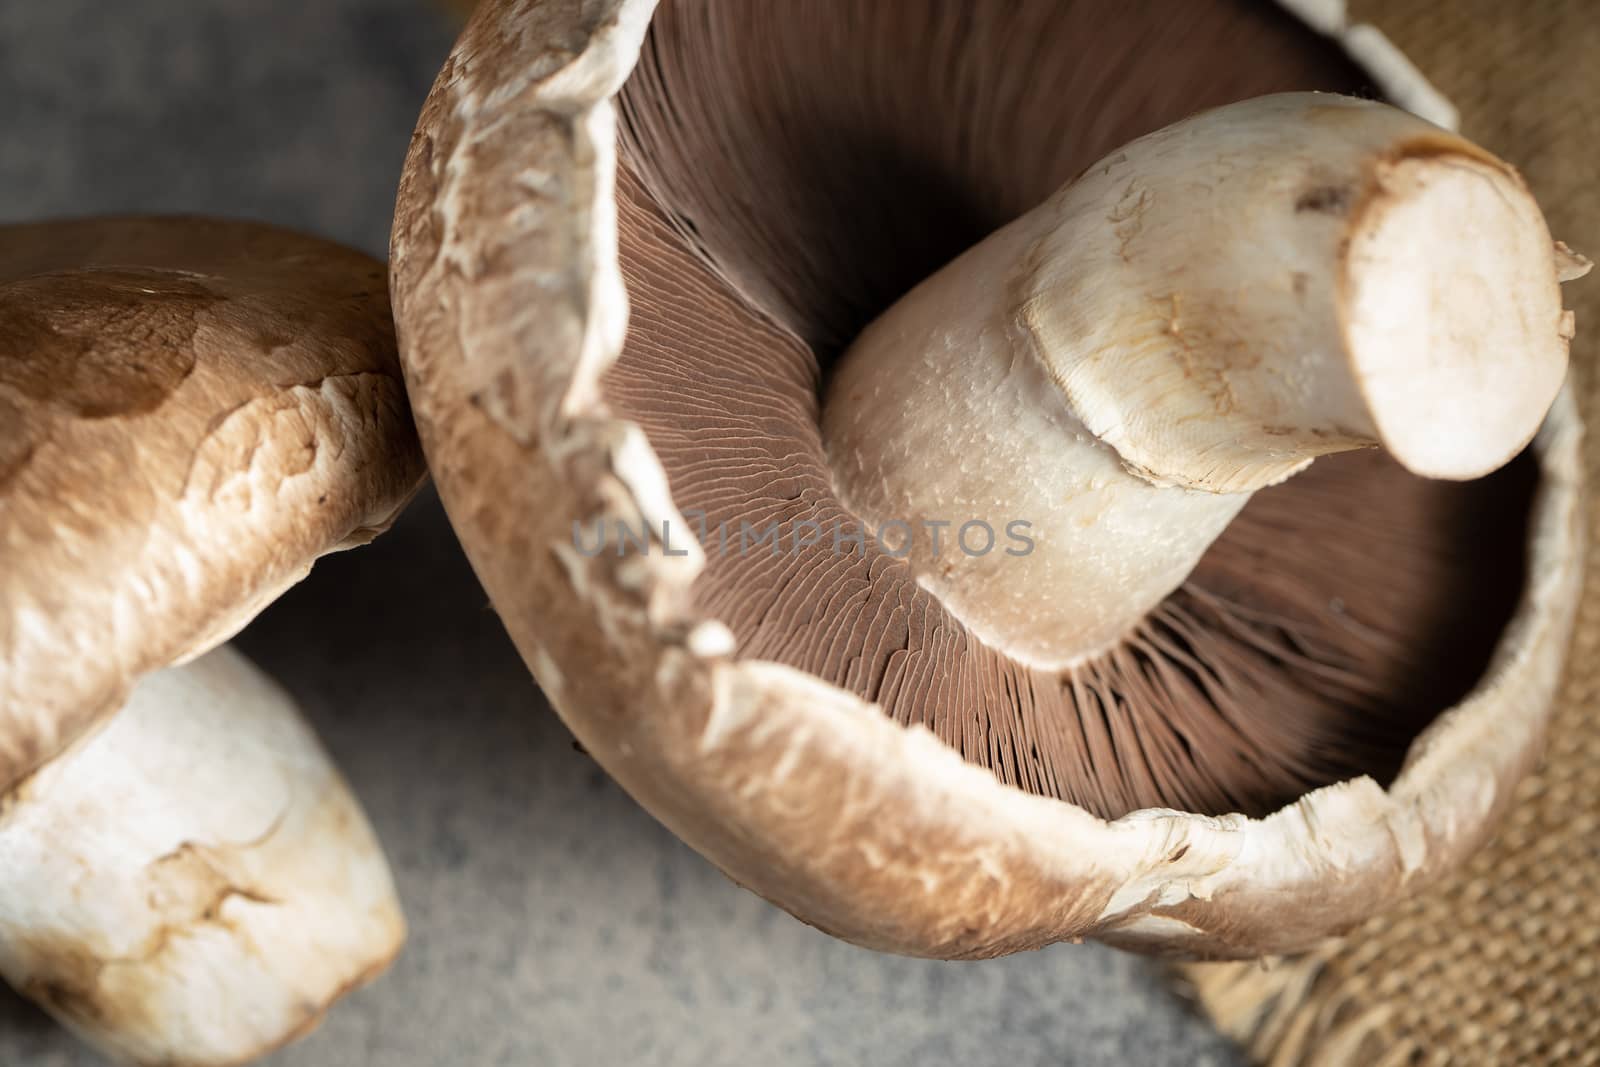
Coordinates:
<point>226,886</point>
<point>510,305</point>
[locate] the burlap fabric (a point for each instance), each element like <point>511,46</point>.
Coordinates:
<point>1500,965</point>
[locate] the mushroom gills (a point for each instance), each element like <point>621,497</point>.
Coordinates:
<point>1329,623</point>
<point>194,880</point>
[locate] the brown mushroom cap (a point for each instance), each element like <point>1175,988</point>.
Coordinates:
<point>815,722</point>
<point>194,411</point>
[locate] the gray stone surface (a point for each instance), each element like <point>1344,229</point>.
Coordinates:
<point>553,922</point>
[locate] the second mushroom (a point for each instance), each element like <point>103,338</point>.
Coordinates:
<point>193,411</point>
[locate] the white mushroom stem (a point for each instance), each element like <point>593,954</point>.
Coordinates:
<point>1196,317</point>
<point>193,884</point>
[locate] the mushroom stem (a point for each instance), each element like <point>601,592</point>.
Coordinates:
<point>1198,316</point>
<point>194,883</point>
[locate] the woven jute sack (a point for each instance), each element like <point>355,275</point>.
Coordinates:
<point>1501,963</point>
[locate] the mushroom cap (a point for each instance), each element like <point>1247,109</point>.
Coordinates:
<point>512,307</point>
<point>194,411</point>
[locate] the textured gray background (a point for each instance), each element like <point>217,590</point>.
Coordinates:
<point>553,922</point>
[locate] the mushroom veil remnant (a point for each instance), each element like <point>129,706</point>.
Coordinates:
<point>194,411</point>
<point>1238,410</point>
